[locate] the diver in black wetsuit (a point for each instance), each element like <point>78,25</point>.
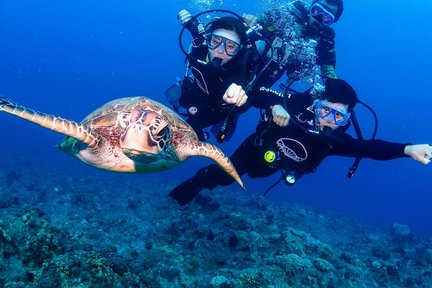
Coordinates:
<point>222,65</point>
<point>302,39</point>
<point>316,130</point>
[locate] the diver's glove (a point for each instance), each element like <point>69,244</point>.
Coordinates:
<point>280,116</point>
<point>185,19</point>
<point>420,152</point>
<point>235,95</point>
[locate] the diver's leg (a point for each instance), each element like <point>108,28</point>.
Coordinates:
<point>212,176</point>
<point>208,177</point>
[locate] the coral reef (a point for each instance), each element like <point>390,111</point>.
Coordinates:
<point>98,231</point>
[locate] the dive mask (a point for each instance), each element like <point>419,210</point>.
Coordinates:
<point>216,41</point>
<point>327,16</point>
<point>325,110</point>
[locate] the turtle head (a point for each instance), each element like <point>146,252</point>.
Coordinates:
<point>145,135</point>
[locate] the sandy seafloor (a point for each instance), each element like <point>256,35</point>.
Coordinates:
<point>58,230</point>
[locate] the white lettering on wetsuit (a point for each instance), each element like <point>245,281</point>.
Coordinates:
<point>279,94</point>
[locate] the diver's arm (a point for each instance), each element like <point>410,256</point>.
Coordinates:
<point>193,25</point>
<point>326,54</point>
<point>265,98</point>
<point>328,72</point>
<point>384,150</point>
<point>346,145</point>
<point>273,101</point>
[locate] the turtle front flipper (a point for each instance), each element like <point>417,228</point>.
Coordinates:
<point>198,148</point>
<point>63,126</point>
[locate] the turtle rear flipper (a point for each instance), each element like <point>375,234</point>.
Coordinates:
<point>60,125</point>
<point>198,148</point>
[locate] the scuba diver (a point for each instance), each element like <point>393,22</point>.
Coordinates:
<point>317,129</point>
<point>222,63</point>
<point>302,39</point>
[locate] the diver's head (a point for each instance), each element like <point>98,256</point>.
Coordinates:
<point>325,12</point>
<point>225,37</point>
<point>334,106</point>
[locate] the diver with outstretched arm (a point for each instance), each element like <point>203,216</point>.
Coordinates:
<point>319,131</point>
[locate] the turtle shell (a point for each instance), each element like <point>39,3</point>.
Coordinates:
<point>137,135</point>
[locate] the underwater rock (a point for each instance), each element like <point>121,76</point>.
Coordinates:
<point>401,232</point>
<point>380,252</point>
<point>218,281</point>
<point>247,242</point>
<point>37,254</point>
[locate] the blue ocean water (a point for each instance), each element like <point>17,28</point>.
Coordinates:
<point>70,57</point>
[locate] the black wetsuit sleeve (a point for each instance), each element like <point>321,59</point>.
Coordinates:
<point>265,97</point>
<point>192,27</point>
<point>326,54</point>
<point>373,149</point>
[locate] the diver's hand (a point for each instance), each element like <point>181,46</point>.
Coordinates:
<point>280,116</point>
<point>184,17</point>
<point>235,95</point>
<point>420,152</point>
<point>250,19</point>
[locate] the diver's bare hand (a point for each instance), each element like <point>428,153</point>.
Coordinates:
<point>280,116</point>
<point>420,152</point>
<point>235,95</point>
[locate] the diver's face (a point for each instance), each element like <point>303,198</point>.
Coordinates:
<point>323,7</point>
<point>330,119</point>
<point>225,43</point>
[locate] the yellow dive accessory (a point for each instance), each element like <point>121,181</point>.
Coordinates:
<point>269,156</point>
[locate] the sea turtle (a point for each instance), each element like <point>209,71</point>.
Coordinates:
<point>132,134</point>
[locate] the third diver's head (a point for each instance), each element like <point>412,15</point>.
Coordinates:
<point>334,106</point>
<point>325,12</point>
<point>225,37</point>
